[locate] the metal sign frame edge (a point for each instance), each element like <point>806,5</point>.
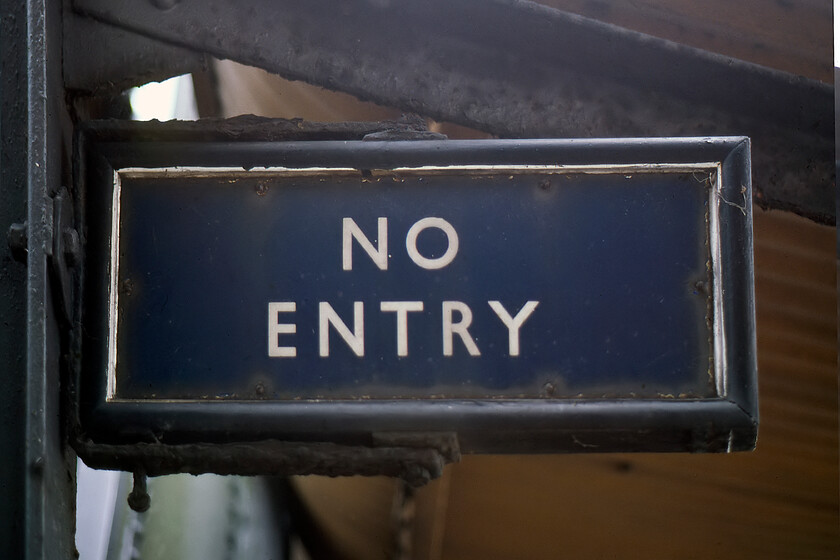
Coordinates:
<point>728,423</point>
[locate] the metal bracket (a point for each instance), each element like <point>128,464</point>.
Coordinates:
<point>65,252</point>
<point>18,238</point>
<point>416,458</point>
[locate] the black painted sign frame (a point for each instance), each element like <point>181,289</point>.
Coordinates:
<point>724,420</point>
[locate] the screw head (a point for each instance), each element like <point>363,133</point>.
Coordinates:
<point>139,500</point>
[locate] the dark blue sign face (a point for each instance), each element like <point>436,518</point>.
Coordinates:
<point>507,282</point>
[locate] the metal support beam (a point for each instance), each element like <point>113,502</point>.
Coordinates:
<point>106,59</point>
<point>517,69</point>
<point>37,469</point>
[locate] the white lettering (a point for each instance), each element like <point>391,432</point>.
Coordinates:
<point>275,328</point>
<point>355,340</point>
<point>513,323</point>
<point>378,254</point>
<point>401,308</point>
<point>459,328</point>
<point>451,239</point>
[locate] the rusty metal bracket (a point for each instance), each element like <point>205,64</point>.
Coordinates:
<point>516,69</point>
<point>414,458</point>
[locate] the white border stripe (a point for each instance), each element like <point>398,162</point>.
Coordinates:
<point>113,295</point>
<point>718,334</point>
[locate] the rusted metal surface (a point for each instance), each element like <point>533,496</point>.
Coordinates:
<point>416,464</point>
<point>516,69</point>
<point>253,128</point>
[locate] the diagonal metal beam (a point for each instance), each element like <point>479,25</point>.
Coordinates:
<point>517,69</point>
<point>127,60</point>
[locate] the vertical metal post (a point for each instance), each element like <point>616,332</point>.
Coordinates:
<point>37,473</point>
<point>12,278</point>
